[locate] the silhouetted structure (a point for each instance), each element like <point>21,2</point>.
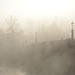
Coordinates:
<point>72,31</point>
<point>35,37</point>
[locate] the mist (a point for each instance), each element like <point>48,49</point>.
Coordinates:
<point>36,50</point>
<point>37,37</point>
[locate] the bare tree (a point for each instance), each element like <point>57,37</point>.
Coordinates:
<point>12,23</point>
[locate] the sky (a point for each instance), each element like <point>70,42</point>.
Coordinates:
<point>37,9</point>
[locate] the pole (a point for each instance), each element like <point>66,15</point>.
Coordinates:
<point>72,31</point>
<point>35,37</point>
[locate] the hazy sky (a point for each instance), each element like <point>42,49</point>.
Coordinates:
<point>24,9</point>
<point>37,8</point>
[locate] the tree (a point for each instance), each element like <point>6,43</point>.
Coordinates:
<point>12,23</point>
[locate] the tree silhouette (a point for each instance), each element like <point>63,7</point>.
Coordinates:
<point>12,23</point>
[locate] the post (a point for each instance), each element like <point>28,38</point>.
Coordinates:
<point>35,37</point>
<point>72,31</point>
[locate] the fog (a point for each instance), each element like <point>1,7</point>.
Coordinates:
<point>37,37</point>
<point>46,51</point>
